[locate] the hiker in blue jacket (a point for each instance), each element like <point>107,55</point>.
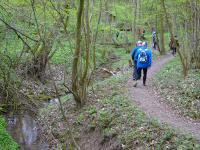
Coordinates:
<point>144,61</point>
<point>134,59</point>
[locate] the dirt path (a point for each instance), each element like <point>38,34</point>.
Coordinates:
<point>150,102</point>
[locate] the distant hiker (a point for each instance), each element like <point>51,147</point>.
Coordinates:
<point>144,61</point>
<point>134,59</point>
<point>173,44</point>
<point>154,39</point>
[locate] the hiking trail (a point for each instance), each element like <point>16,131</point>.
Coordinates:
<point>154,105</point>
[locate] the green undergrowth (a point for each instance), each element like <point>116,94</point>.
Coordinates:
<point>118,116</point>
<point>112,113</point>
<point>123,58</point>
<point>6,141</point>
<point>181,93</point>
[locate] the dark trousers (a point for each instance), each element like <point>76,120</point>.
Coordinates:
<point>173,50</point>
<point>139,72</point>
<point>135,72</point>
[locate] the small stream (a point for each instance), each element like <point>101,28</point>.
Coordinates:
<point>23,128</point>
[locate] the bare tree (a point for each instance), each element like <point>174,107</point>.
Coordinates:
<point>182,52</point>
<point>96,33</point>
<point>161,25</point>
<point>80,80</point>
<point>135,6</point>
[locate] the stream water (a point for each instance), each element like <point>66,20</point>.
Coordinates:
<point>24,129</point>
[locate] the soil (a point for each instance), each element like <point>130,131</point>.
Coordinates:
<point>94,141</point>
<point>155,106</point>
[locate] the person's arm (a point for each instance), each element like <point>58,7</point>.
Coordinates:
<point>132,59</point>
<point>133,54</point>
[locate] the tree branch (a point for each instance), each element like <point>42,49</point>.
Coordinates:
<point>63,113</point>
<point>36,21</point>
<point>17,31</point>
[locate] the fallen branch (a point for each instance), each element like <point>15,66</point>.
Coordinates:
<point>108,71</point>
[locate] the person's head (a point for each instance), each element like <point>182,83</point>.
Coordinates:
<point>139,43</point>
<point>145,44</point>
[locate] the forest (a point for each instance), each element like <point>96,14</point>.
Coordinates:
<point>70,74</point>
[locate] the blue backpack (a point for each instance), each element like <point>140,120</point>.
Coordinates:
<point>142,57</point>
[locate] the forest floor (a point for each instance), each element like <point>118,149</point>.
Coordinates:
<point>155,106</point>
<point>112,120</point>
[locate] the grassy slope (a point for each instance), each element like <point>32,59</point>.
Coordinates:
<point>119,116</point>
<point>6,141</point>
<point>183,94</point>
<point>111,112</point>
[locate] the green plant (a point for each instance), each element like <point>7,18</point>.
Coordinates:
<point>6,141</point>
<point>105,118</point>
<point>80,119</point>
<point>92,111</point>
<point>109,133</point>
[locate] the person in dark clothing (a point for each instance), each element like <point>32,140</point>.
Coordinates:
<point>174,44</point>
<point>144,61</point>
<point>134,59</point>
<point>139,71</point>
<point>154,41</point>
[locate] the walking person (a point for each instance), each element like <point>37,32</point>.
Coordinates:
<point>154,40</point>
<point>173,44</point>
<point>144,61</point>
<point>134,59</point>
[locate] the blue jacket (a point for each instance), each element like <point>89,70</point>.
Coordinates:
<point>134,52</point>
<point>148,63</point>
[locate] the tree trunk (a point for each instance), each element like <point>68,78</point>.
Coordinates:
<point>41,51</point>
<point>183,57</point>
<point>85,79</point>
<point>96,34</point>
<point>107,3</point>
<point>135,20</point>
<point>75,82</point>
<point>162,44</point>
